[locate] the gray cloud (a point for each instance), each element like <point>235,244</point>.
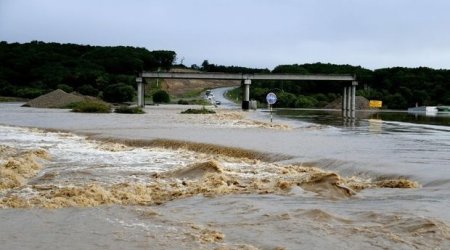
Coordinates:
<point>253,33</point>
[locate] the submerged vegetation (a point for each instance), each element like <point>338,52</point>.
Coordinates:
<point>199,111</point>
<point>91,107</point>
<point>129,110</point>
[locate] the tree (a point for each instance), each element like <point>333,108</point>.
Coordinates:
<point>64,87</point>
<point>119,92</point>
<point>205,65</point>
<point>306,102</point>
<point>161,96</point>
<point>88,90</point>
<point>37,67</point>
<point>164,58</point>
<point>396,101</point>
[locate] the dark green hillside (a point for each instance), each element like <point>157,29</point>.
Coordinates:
<point>31,69</point>
<point>398,88</point>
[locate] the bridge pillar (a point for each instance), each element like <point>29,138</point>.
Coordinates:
<point>349,102</point>
<point>344,103</point>
<point>246,95</point>
<point>140,92</point>
<point>353,103</point>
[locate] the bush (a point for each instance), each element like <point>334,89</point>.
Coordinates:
<point>306,102</point>
<point>161,96</point>
<point>119,92</point>
<point>64,87</point>
<point>199,111</point>
<point>30,92</point>
<point>129,110</point>
<point>88,90</point>
<point>6,89</point>
<point>287,100</point>
<point>183,102</point>
<point>91,107</point>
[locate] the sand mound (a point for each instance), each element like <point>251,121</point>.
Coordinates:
<point>57,99</point>
<point>360,102</point>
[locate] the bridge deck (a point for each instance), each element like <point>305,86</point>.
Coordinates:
<point>226,76</point>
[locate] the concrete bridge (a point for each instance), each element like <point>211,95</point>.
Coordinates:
<point>349,84</point>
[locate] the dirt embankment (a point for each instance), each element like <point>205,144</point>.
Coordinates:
<point>183,87</point>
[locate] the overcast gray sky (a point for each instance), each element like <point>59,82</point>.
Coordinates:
<point>251,33</point>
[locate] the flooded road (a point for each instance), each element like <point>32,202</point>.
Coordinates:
<point>332,188</point>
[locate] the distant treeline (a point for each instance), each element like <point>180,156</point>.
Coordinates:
<point>398,88</point>
<point>208,67</point>
<point>31,69</point>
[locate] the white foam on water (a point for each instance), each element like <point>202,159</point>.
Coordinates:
<point>73,153</point>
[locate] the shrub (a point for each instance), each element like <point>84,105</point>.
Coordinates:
<point>161,96</point>
<point>88,90</point>
<point>199,111</point>
<point>183,102</point>
<point>64,87</point>
<point>6,89</point>
<point>200,102</point>
<point>91,107</point>
<point>119,92</point>
<point>30,92</point>
<point>306,102</point>
<point>129,110</point>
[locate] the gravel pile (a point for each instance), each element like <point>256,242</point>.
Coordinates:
<point>56,99</point>
<point>360,102</point>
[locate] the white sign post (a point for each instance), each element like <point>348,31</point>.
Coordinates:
<point>271,99</point>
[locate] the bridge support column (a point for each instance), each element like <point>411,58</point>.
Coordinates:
<point>344,103</point>
<point>353,103</point>
<point>349,101</point>
<point>246,95</point>
<point>140,92</point>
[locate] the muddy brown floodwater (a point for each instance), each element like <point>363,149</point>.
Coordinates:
<point>169,181</point>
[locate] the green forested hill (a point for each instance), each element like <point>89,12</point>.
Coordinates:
<point>398,88</point>
<point>31,69</point>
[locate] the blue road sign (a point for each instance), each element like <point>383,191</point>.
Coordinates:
<point>271,98</point>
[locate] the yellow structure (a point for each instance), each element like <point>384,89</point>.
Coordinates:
<point>375,104</point>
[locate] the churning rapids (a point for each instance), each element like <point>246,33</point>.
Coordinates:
<point>163,180</point>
